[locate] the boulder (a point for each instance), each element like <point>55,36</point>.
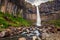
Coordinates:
<point>4,34</point>
<point>23,38</point>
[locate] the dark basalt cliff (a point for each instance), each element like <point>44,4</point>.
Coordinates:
<point>25,9</point>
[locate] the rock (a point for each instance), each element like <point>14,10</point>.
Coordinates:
<point>58,29</point>
<point>23,38</point>
<point>27,30</point>
<point>12,29</point>
<point>2,34</point>
<point>35,37</point>
<point>19,28</point>
<point>44,30</point>
<point>45,35</point>
<point>53,30</point>
<point>41,30</point>
<point>36,32</point>
<point>10,32</point>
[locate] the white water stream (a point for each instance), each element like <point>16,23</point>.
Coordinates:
<point>38,17</point>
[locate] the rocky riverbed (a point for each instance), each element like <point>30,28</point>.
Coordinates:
<point>45,32</point>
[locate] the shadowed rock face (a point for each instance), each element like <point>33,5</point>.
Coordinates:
<point>57,5</point>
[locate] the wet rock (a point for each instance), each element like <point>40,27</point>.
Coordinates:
<point>37,33</point>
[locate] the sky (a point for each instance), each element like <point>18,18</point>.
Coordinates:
<point>37,2</point>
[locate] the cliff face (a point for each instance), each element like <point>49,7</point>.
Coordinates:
<point>27,10</point>
<point>11,6</point>
<point>48,10</point>
<point>57,5</point>
<point>14,5</point>
<point>50,6</point>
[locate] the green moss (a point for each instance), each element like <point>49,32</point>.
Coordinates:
<point>55,22</point>
<point>7,20</point>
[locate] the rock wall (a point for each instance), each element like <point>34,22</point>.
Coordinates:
<point>47,10</point>
<point>11,6</point>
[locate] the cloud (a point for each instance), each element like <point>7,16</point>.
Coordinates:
<point>36,2</point>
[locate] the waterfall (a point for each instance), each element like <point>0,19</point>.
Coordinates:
<point>38,17</point>
<point>37,3</point>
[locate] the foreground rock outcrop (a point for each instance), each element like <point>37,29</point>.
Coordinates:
<point>46,32</point>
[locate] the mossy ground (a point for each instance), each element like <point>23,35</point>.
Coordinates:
<point>7,20</point>
<point>55,22</point>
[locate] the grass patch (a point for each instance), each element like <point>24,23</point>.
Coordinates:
<point>55,22</point>
<point>7,20</point>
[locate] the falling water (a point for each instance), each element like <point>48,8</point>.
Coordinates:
<point>37,3</point>
<point>38,17</point>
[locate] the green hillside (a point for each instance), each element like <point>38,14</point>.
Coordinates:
<point>7,20</point>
